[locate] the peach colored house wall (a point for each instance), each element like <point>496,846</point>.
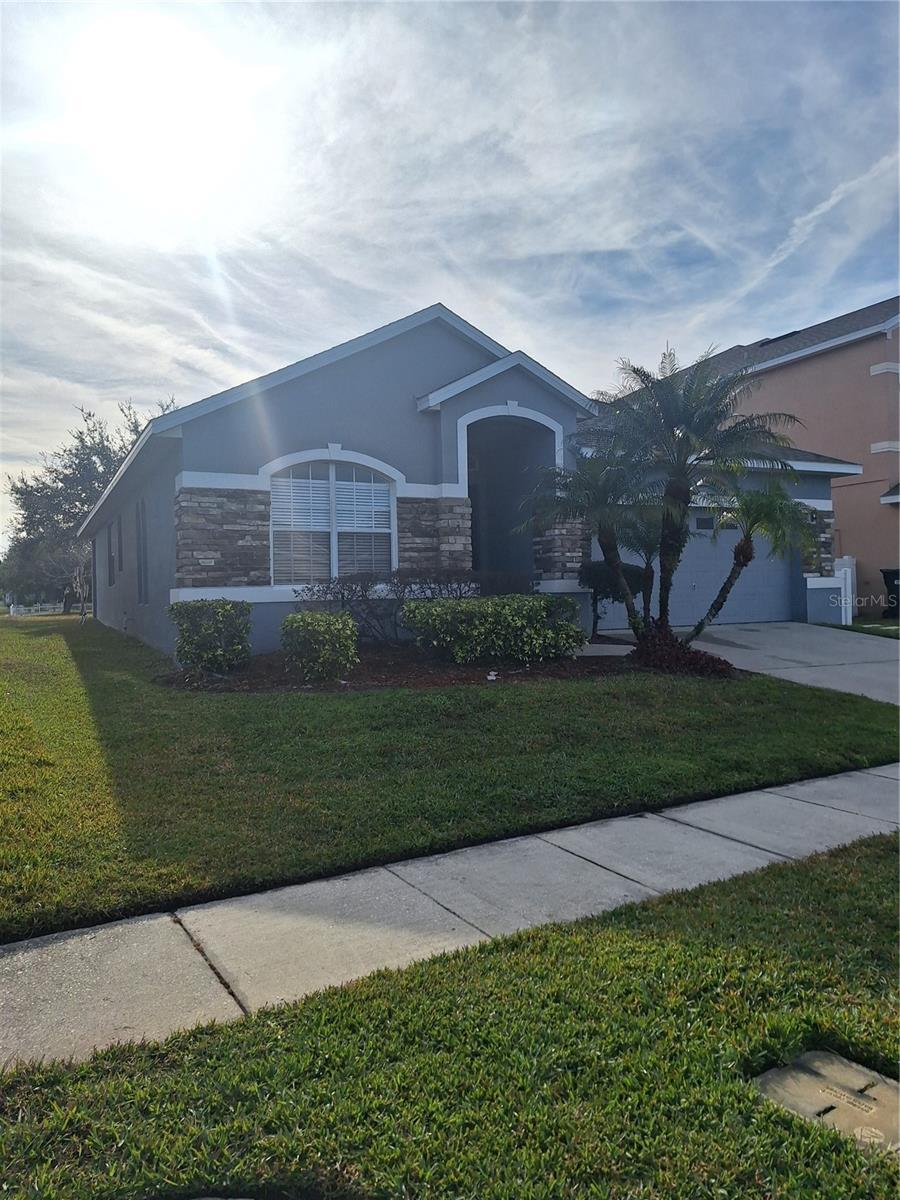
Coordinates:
<point>845,410</point>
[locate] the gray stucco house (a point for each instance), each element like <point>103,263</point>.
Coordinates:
<point>411,447</point>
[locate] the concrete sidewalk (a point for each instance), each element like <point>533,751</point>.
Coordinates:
<point>67,994</point>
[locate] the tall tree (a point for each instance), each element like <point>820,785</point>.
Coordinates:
<point>50,504</point>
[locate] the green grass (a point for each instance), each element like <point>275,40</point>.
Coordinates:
<point>876,626</point>
<point>606,1059</point>
<point>121,796</point>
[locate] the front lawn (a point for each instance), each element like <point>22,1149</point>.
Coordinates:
<point>123,796</point>
<point>607,1059</point>
<point>877,626</point>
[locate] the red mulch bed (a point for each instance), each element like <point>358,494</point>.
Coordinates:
<point>389,666</point>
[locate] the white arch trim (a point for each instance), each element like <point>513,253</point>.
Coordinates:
<point>333,452</point>
<point>510,409</point>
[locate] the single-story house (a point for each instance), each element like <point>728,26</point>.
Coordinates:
<point>410,447</point>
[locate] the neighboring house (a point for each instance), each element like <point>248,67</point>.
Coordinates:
<point>413,447</point>
<point>840,379</point>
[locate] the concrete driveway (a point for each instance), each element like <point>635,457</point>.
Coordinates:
<point>825,657</point>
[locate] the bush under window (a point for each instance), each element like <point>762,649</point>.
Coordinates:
<point>213,635</point>
<point>519,629</point>
<point>375,601</point>
<point>320,645</point>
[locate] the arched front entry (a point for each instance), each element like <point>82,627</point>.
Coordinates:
<point>505,455</point>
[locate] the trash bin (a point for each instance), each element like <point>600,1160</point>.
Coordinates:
<point>891,577</point>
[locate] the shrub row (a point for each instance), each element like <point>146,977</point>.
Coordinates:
<point>214,635</point>
<point>520,629</point>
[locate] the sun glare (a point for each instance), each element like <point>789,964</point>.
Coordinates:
<point>173,141</point>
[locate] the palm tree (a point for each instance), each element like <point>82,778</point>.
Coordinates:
<point>683,430</point>
<point>769,513</point>
<point>600,491</point>
<point>640,530</point>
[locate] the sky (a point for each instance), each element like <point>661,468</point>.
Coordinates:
<point>196,195</point>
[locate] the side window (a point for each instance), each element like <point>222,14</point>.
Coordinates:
<point>119,545</point>
<point>140,540</point>
<point>110,557</point>
<point>704,523</point>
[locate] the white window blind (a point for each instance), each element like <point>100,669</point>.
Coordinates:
<point>329,519</point>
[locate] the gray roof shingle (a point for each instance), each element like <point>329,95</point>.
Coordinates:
<point>757,353</point>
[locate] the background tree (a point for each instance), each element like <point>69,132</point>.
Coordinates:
<point>45,555</point>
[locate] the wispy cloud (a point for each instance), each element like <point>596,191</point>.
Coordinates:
<point>582,181</point>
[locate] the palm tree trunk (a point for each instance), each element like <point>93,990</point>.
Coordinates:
<point>609,548</point>
<point>671,543</point>
<point>743,556</point>
<point>647,591</point>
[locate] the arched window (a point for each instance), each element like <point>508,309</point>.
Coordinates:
<point>330,518</point>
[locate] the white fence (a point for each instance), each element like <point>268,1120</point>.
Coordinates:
<point>34,610</point>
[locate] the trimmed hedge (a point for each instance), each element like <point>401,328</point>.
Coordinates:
<point>512,628</point>
<point>320,645</point>
<point>213,635</point>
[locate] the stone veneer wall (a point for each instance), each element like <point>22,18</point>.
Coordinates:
<point>221,537</point>
<point>560,550</point>
<point>434,534</point>
<point>821,558</point>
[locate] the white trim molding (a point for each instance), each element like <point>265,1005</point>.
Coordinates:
<point>822,581</point>
<point>510,409</point>
<point>885,368</point>
<point>517,359</point>
<point>560,586</point>
<point>333,452</point>
<point>263,594</point>
<point>885,448</point>
<point>221,481</point>
<point>802,466</point>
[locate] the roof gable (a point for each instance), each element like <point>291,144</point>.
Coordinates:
<point>169,424</point>
<point>436,312</point>
<point>519,360</point>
